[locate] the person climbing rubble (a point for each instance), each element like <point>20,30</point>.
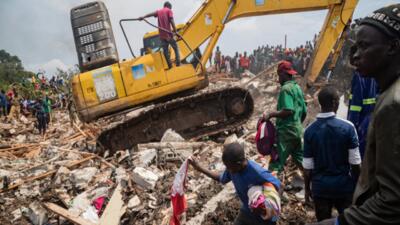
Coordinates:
<point>331,159</point>
<point>291,112</point>
<point>376,54</point>
<point>244,174</point>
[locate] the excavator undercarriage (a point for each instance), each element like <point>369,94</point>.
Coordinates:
<point>205,113</point>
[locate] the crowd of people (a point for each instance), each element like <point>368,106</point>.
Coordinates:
<point>262,57</point>
<point>47,95</point>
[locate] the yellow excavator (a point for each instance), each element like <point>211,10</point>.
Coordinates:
<point>107,85</point>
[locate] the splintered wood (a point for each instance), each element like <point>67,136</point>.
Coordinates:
<point>66,214</point>
<point>46,174</point>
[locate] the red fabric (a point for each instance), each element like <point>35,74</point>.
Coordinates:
<point>178,199</point>
<point>179,206</point>
<point>244,62</point>
<point>10,94</point>
<point>164,15</point>
<point>98,204</point>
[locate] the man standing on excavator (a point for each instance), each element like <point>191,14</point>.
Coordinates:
<point>376,54</point>
<point>165,22</point>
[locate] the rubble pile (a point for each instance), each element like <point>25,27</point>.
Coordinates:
<point>59,179</point>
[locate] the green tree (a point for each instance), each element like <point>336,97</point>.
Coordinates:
<point>11,70</point>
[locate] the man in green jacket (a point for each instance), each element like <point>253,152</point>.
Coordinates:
<point>376,54</point>
<point>291,112</point>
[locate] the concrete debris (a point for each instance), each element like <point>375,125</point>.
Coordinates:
<point>91,215</point>
<point>16,214</point>
<point>79,204</point>
<point>134,203</point>
<point>144,178</point>
<point>62,175</point>
<point>24,120</point>
<point>21,138</point>
<point>171,136</point>
<point>231,139</point>
<point>12,131</point>
<point>254,90</point>
<point>82,177</point>
<point>36,214</point>
<point>146,157</point>
<point>132,186</point>
<point>121,174</point>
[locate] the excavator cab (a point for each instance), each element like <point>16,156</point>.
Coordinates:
<point>152,43</point>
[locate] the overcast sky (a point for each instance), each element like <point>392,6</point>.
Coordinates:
<point>39,31</point>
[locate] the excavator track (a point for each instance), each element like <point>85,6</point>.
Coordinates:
<point>193,116</point>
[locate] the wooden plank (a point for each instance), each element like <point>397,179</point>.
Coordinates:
<point>108,164</point>
<point>44,175</point>
<point>176,145</point>
<point>114,210</point>
<point>66,214</point>
<point>80,131</point>
<point>18,147</point>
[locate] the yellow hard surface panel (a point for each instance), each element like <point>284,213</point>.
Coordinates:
<point>102,85</point>
<point>144,73</point>
<point>119,83</point>
<point>180,73</point>
<point>89,92</point>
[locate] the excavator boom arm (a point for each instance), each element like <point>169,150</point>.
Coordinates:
<point>210,19</point>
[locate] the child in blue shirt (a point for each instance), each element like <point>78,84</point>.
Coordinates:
<point>244,174</point>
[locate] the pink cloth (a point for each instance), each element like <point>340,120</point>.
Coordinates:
<point>164,15</point>
<point>259,203</point>
<point>98,204</point>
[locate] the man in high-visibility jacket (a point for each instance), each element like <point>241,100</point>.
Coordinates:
<point>362,103</point>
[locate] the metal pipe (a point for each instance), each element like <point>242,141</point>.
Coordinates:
<point>126,38</point>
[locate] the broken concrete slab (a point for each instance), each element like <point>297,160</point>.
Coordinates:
<point>91,215</point>
<point>79,204</point>
<point>82,177</point>
<point>36,214</point>
<point>144,178</point>
<point>121,174</point>
<point>134,202</point>
<point>171,136</point>
<point>17,214</point>
<point>146,157</point>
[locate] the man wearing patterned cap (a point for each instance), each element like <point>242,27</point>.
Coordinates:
<point>376,199</point>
